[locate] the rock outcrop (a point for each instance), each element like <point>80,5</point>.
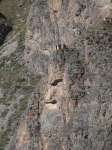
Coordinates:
<point>69,43</point>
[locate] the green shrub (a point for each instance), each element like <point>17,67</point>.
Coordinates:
<point>4,113</point>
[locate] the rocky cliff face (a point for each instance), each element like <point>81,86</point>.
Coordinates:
<point>51,23</point>
<point>69,43</point>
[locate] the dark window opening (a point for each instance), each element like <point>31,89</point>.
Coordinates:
<point>86,136</point>
<point>59,46</point>
<point>55,83</point>
<point>52,102</point>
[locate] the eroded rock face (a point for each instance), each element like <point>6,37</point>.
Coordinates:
<point>55,23</point>
<point>71,109</point>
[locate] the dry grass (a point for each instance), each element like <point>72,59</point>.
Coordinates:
<point>15,14</point>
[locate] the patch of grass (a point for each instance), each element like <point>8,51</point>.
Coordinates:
<point>17,86</point>
<point>4,139</point>
<point>16,66</point>
<point>21,40</point>
<point>23,103</point>
<point>15,13</point>
<point>1,64</point>
<point>4,113</point>
<point>15,77</point>
<point>5,100</point>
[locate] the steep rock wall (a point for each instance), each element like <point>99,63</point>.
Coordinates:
<point>69,44</point>
<point>51,23</point>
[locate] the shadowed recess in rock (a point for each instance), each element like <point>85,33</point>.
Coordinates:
<point>55,83</point>
<point>52,102</point>
<point>2,16</point>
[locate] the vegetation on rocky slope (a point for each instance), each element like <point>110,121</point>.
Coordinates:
<point>72,110</point>
<point>16,13</point>
<point>17,83</point>
<point>5,28</point>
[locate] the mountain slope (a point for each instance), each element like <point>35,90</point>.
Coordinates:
<point>68,50</point>
<point>69,44</point>
<point>15,14</point>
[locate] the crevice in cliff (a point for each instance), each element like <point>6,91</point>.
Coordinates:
<point>86,136</point>
<point>52,102</point>
<point>56,82</point>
